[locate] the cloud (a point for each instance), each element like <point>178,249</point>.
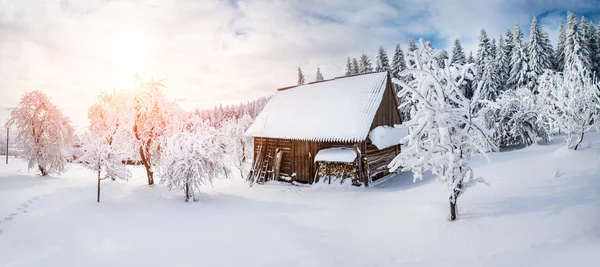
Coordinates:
<point>218,51</point>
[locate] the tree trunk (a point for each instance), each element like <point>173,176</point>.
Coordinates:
<point>98,199</point>
<point>579,141</point>
<point>453,210</point>
<point>43,171</point>
<point>187,192</point>
<point>149,172</point>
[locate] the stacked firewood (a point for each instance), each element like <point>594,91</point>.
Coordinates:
<point>336,171</point>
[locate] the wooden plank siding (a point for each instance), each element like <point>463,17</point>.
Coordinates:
<point>298,155</point>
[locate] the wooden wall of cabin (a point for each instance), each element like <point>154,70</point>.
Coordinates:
<point>376,161</point>
<point>304,153</point>
<point>387,113</point>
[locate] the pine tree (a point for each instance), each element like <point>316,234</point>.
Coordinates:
<point>503,64</point>
<point>365,64</point>
<point>518,61</point>
<point>319,75</point>
<point>488,82</point>
<point>560,49</point>
<point>412,46</point>
<point>549,51</point>
<point>383,63</point>
<point>300,77</point>
<point>509,42</point>
<point>594,48</point>
<point>493,48</point>
<point>442,57</point>
<point>576,48</point>
<point>355,67</point>
<point>458,54</point>
<point>483,52</point>
<point>349,70</point>
<point>537,59</point>
<point>470,58</point>
<point>398,63</point>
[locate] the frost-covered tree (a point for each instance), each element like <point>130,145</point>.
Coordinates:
<point>43,133</point>
<point>442,57</point>
<point>594,48</point>
<point>319,75</point>
<point>349,70</point>
<point>444,130</point>
<point>239,147</point>
<point>484,51</point>
<point>569,103</point>
<point>152,117</point>
<point>383,63</point>
<point>412,46</point>
<point>493,48</point>
<point>537,58</point>
<point>355,66</point>
<point>509,41</point>
<point>191,159</point>
<point>488,81</point>
<point>502,64</point>
<point>470,58</point>
<point>458,54</point>
<point>560,48</point>
<point>518,61</point>
<point>365,65</point>
<point>549,51</point>
<point>514,118</point>
<point>100,156</point>
<point>576,48</point>
<point>300,77</point>
<point>398,63</point>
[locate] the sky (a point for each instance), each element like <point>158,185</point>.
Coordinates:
<point>212,52</point>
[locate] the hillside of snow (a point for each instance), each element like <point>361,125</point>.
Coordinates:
<point>542,209</point>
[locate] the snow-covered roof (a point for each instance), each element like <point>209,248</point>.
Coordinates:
<point>386,136</point>
<point>341,109</point>
<point>338,154</point>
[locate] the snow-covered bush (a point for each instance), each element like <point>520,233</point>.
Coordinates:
<point>514,118</point>
<point>98,155</point>
<point>191,159</point>
<point>569,103</point>
<point>444,130</point>
<point>238,147</point>
<point>43,133</point>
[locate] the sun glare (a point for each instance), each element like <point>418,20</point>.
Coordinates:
<point>130,52</point>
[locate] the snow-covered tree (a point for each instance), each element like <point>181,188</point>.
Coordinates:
<point>365,64</point>
<point>43,133</point>
<point>152,116</point>
<point>518,61</point>
<point>412,46</point>
<point>445,130</point>
<point>509,41</point>
<point>502,64</point>
<point>538,59</point>
<point>239,147</point>
<point>576,48</point>
<point>560,49</point>
<point>594,48</point>
<point>549,51</point>
<point>398,63</point>
<point>355,66</point>
<point>488,80</point>
<point>484,51</point>
<point>100,156</point>
<point>514,118</point>
<point>300,77</point>
<point>458,54</point>
<point>192,158</point>
<point>319,75</point>
<point>569,102</point>
<point>383,63</point>
<point>349,70</point>
<point>470,58</point>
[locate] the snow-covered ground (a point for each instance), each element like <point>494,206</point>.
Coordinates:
<point>527,217</point>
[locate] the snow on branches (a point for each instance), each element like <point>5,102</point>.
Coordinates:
<point>239,147</point>
<point>445,129</point>
<point>514,117</point>
<point>100,156</point>
<point>191,158</point>
<point>569,102</point>
<point>43,132</point>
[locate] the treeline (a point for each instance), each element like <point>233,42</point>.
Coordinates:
<point>220,114</point>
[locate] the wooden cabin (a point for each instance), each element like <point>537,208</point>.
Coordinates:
<point>356,112</point>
